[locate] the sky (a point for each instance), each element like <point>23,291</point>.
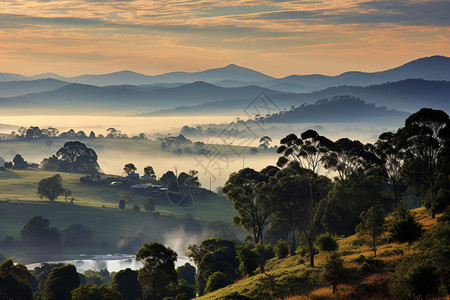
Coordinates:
<point>276,37</point>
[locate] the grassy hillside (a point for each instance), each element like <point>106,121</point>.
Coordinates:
<point>96,207</point>
<point>292,278</point>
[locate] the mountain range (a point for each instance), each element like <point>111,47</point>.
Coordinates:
<point>420,83</point>
<point>429,68</point>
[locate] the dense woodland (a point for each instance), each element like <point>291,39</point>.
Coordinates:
<point>319,192</point>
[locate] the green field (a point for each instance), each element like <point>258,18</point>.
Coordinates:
<point>96,207</point>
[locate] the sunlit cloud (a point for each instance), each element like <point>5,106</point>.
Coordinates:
<point>80,36</point>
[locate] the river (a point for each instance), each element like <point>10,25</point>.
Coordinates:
<point>111,262</point>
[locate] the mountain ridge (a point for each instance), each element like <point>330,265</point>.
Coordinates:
<point>435,67</point>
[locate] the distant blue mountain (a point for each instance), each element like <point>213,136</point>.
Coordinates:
<point>429,68</point>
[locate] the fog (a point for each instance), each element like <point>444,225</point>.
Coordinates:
<point>213,169</point>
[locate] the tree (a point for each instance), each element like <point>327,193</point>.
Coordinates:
<point>344,204</point>
<point>426,141</point>
<point>292,205</point>
<point>168,179</point>
<point>148,170</point>
<point>349,159</point>
<point>129,168</point>
<point>334,270</point>
<point>60,283</point>
<point>149,204</point>
<point>371,225</point>
<point>77,157</point>
<point>14,281</point>
<point>247,190</point>
<point>95,292</point>
<point>404,227</point>
<point>213,255</point>
<point>158,270</point>
<point>307,151</point>
<point>187,272</point>
<point>387,148</point>
<point>126,282</point>
<point>19,162</point>
<point>37,231</point>
<point>122,204</point>
<point>265,142</point>
<point>51,187</point>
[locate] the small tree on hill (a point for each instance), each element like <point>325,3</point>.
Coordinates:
<point>50,188</point>
<point>334,270</point>
<point>129,168</point>
<point>371,225</point>
<point>149,204</point>
<point>148,170</point>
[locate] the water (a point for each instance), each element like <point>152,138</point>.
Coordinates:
<point>111,262</point>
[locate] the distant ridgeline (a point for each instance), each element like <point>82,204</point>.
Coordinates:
<point>336,109</point>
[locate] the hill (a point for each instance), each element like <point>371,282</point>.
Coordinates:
<point>337,109</point>
<point>290,278</point>
<point>406,95</point>
<point>88,98</point>
<point>18,88</point>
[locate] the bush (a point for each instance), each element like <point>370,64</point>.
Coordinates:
<point>404,227</point>
<point>216,281</point>
<point>281,249</point>
<point>326,242</point>
<point>248,259</point>
<point>414,276</point>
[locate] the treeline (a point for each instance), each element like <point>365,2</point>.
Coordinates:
<point>37,232</point>
<point>34,132</point>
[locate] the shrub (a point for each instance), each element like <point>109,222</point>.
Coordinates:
<point>326,242</point>
<point>281,249</point>
<point>414,276</point>
<point>248,259</point>
<point>404,227</point>
<point>216,281</point>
